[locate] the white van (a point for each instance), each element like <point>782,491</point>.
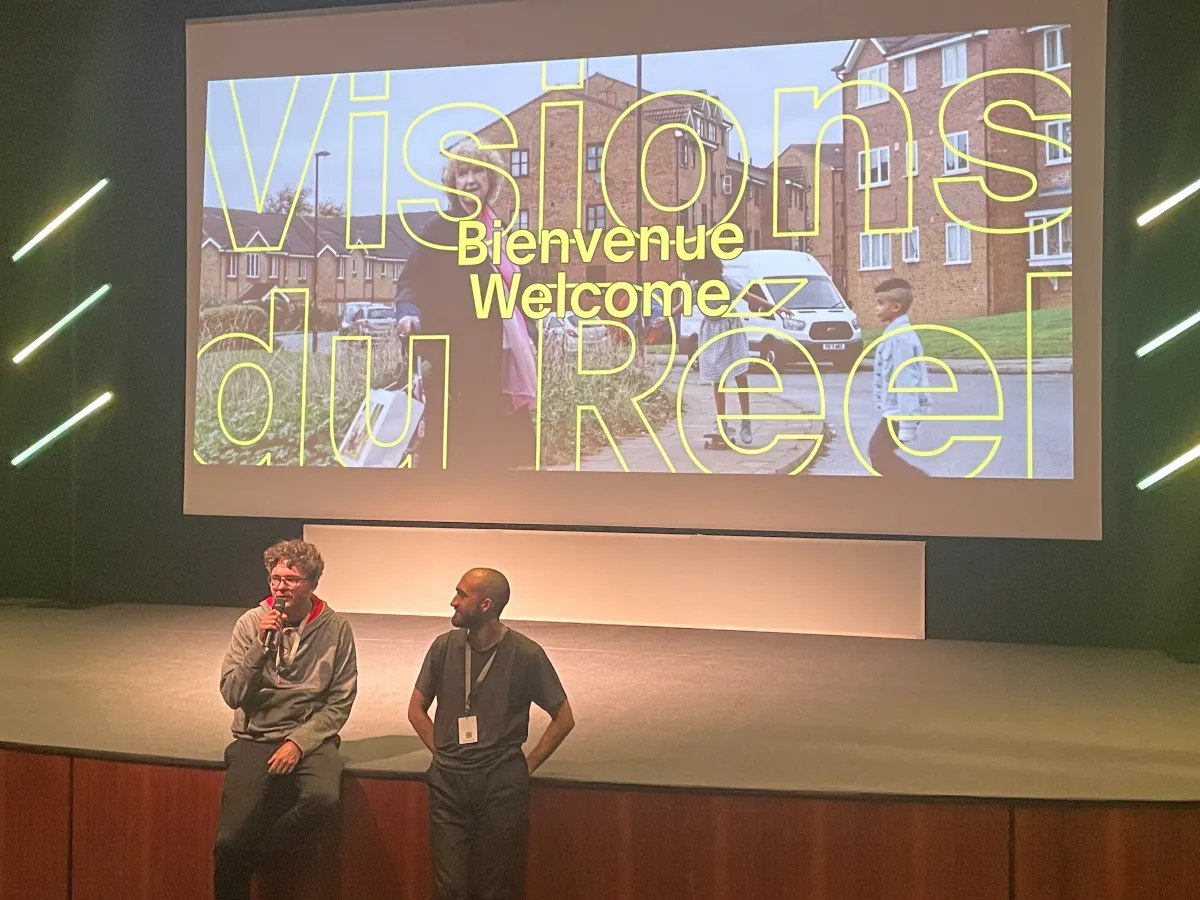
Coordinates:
<point>820,319</point>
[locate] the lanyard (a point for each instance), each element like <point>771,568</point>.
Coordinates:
<point>482,674</point>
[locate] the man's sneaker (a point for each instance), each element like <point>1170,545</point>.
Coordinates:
<point>747,434</point>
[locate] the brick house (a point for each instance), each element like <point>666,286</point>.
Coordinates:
<point>956,272</point>
<point>673,172</point>
<point>1051,248</point>
<point>344,274</point>
<point>828,246</point>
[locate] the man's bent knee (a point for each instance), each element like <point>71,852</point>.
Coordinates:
<point>320,804</point>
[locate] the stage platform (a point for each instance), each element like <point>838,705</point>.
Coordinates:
<point>659,707</point>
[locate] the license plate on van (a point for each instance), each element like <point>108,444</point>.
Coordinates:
<point>833,346</point>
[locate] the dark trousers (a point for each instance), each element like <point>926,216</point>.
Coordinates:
<point>885,456</point>
<point>265,816</point>
<point>477,828</point>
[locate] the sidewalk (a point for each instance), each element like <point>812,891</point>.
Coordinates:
<point>641,454</point>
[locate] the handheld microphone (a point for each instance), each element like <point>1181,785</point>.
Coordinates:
<point>272,640</point>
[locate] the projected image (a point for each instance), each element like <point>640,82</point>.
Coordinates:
<point>841,258</point>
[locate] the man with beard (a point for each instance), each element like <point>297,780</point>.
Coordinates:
<point>291,677</point>
<point>484,677</point>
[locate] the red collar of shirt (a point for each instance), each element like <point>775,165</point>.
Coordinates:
<point>318,606</point>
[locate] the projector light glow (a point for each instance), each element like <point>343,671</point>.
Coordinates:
<point>60,218</point>
<point>60,325</point>
<point>32,451</point>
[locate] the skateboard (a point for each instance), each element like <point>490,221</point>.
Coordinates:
<point>715,441</point>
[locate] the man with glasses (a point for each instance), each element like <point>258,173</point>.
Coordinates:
<point>290,676</point>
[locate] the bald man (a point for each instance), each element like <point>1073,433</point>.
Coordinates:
<point>484,677</point>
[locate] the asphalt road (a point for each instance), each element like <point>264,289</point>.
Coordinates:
<point>976,394</point>
<point>292,341</point>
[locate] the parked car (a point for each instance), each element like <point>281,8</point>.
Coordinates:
<point>568,329</point>
<point>378,320</point>
<point>820,318</point>
<point>349,311</point>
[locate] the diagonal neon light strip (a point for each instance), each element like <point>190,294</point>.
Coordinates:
<point>60,218</point>
<point>60,325</point>
<point>62,429</point>
<point>1174,200</point>
<point>1170,334</point>
<point>1173,466</point>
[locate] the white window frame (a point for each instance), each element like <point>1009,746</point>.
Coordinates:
<point>869,95</point>
<point>1042,236</point>
<point>231,266</point>
<point>368,268</point>
<point>1057,35</point>
<point>911,240</point>
<point>599,155</point>
<point>341,275</point>
<point>911,160</point>
<point>303,269</point>
<point>1063,127</point>
<point>873,241</point>
<point>518,163</point>
<point>910,73</point>
<point>884,158</point>
<point>956,52</point>
<point>253,265</point>
<point>961,165</point>
<point>522,223</point>
<point>957,229</point>
<point>273,268</point>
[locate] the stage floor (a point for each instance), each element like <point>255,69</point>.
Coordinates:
<point>661,707</point>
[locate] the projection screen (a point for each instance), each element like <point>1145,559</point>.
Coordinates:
<point>677,265</point>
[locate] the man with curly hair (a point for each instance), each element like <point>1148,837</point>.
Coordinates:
<point>290,676</point>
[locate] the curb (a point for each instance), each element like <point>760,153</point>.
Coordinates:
<point>827,436</point>
<point>1045,366</point>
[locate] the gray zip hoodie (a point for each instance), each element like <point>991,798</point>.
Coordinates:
<point>301,691</point>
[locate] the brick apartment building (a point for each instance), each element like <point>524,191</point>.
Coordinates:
<point>344,274</point>
<point>956,272</point>
<point>828,246</point>
<point>1051,248</point>
<point>673,172</point>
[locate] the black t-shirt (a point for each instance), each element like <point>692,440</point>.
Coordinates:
<point>520,674</point>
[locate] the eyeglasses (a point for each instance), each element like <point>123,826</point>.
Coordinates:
<point>291,581</point>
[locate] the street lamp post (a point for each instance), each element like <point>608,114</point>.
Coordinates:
<point>316,239</point>
<point>678,216</point>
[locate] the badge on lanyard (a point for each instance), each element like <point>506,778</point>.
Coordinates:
<point>468,727</point>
